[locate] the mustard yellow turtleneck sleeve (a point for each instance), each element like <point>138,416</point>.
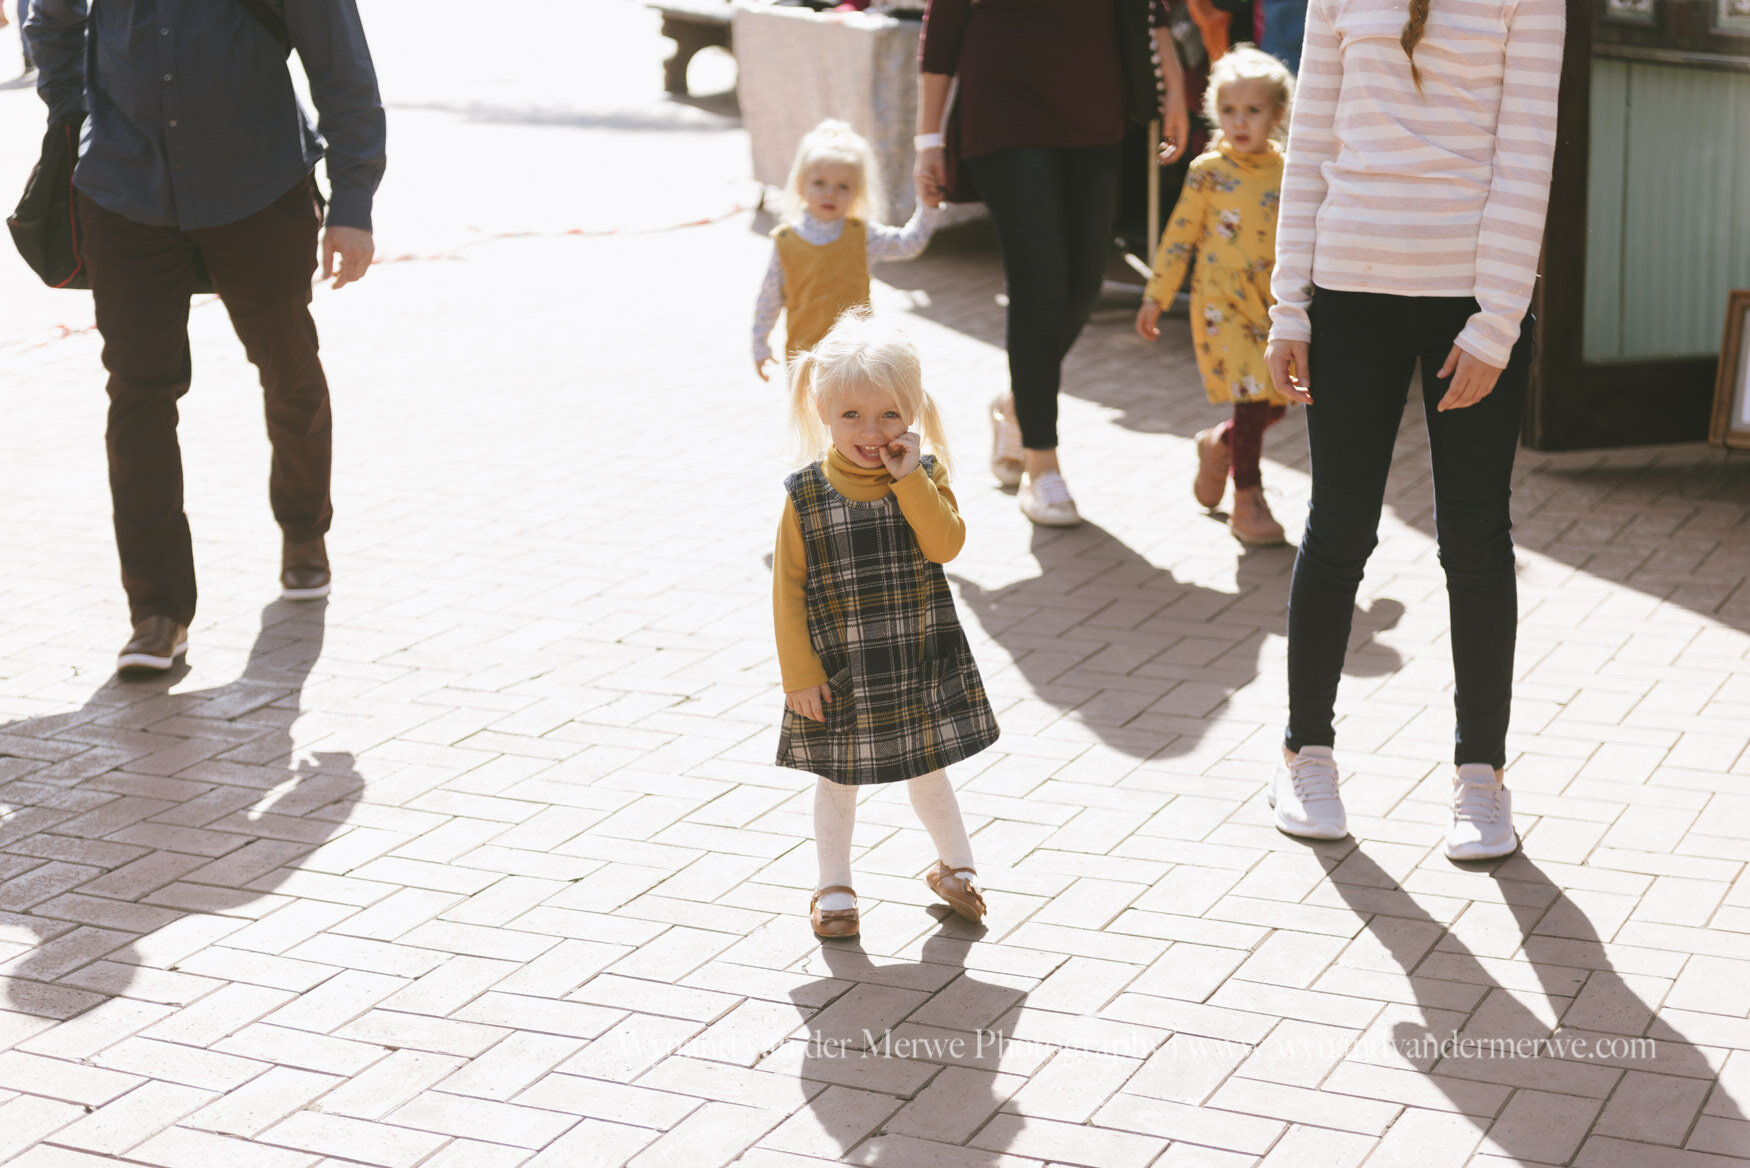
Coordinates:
<point>927,504</point>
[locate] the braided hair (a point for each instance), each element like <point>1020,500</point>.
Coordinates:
<point>1412,34</point>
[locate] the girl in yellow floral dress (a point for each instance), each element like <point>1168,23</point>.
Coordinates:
<point>1227,217</point>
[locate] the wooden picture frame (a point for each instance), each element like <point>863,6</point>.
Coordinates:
<point>1731,422</point>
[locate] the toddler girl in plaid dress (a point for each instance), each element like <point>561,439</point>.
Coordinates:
<point>879,682</point>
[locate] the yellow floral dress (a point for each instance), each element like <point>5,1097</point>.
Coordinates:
<point>1227,218</point>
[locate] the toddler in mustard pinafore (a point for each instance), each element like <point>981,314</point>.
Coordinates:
<point>880,685</point>
<point>822,251</point>
<point>1226,216</point>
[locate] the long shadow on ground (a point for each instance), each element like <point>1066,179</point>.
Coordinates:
<point>902,1060</point>
<point>101,849</point>
<point>1138,656</point>
<point>1568,1063</point>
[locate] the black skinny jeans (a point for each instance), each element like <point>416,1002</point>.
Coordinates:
<point>1052,207</point>
<point>1364,348</point>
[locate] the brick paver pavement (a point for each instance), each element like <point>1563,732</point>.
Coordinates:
<point>484,862</point>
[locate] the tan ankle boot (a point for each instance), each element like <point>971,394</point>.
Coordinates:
<point>1213,464</point>
<point>1251,521</point>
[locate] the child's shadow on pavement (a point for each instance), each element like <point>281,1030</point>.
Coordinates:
<point>103,849</point>
<point>1487,1045</point>
<point>1142,659</point>
<point>908,1063</point>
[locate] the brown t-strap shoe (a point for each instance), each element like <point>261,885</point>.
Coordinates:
<point>955,886</point>
<point>833,923</point>
<point>304,572</point>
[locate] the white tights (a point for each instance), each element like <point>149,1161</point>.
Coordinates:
<point>835,816</point>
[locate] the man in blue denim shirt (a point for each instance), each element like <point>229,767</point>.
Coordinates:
<point>195,153</point>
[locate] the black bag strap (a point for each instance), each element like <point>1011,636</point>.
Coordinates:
<point>272,21</point>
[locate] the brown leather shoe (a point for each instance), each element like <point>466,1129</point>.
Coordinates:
<point>1213,461</point>
<point>955,885</point>
<point>156,644</point>
<point>304,573</point>
<point>1251,521</point>
<point>833,923</point>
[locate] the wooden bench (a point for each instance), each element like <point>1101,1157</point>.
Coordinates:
<point>692,25</point>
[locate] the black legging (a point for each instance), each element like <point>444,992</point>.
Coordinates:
<point>1364,347</point>
<point>1053,209</point>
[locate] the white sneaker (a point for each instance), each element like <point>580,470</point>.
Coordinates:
<point>1304,796</point>
<point>1046,501</point>
<point>1005,446</point>
<point>1482,815</point>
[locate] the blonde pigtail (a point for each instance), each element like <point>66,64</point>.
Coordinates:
<point>935,435</point>
<point>804,419</point>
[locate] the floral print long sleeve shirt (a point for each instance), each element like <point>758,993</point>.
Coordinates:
<point>1224,230</point>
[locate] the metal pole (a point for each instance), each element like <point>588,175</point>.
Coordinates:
<point>1154,187</point>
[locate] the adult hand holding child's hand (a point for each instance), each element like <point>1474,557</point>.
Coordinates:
<point>900,456</point>
<point>930,175</point>
<point>810,701</point>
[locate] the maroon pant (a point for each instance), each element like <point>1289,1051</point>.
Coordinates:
<point>140,279</point>
<point>1245,439</point>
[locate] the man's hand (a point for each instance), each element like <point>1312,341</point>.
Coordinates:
<point>1148,319</point>
<point>760,366</point>
<point>900,456</point>
<point>810,702</point>
<point>1473,379</point>
<point>352,247</point>
<point>1289,369</point>
<point>931,176</point>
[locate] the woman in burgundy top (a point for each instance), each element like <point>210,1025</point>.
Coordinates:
<point>1041,108</point>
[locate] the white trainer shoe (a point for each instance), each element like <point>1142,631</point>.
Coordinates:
<point>1482,815</point>
<point>1303,794</point>
<point>1005,445</point>
<point>1046,501</point>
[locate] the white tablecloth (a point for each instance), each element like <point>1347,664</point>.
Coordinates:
<point>797,67</point>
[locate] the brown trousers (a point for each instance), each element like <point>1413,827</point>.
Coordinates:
<point>261,267</point>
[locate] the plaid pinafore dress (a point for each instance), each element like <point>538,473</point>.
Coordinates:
<point>906,695</point>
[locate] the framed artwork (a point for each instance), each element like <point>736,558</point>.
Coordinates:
<point>1639,11</point>
<point>1732,17</point>
<point>1731,424</point>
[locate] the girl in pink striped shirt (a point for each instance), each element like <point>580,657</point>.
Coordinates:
<point>1413,203</point>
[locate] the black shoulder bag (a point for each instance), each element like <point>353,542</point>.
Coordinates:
<point>45,226</point>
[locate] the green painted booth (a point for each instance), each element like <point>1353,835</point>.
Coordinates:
<point>1649,226</point>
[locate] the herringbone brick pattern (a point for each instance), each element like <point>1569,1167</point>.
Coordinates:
<point>484,863</point>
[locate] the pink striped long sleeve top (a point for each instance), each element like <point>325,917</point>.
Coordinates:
<point>1440,192</point>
